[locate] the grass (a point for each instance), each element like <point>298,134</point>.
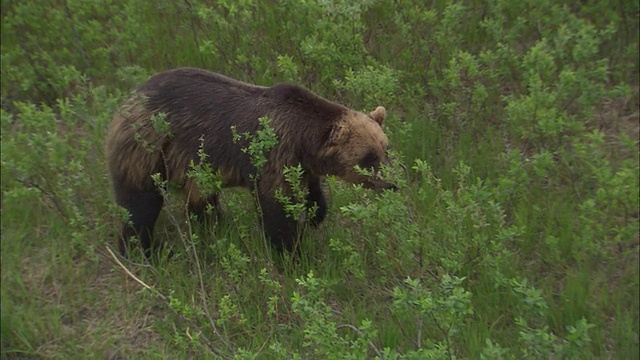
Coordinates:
<point>515,142</point>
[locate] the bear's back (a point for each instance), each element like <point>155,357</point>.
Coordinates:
<point>182,77</point>
<point>199,95</point>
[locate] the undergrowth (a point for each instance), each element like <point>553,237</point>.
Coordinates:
<point>514,234</point>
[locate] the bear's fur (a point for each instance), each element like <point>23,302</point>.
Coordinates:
<point>325,138</point>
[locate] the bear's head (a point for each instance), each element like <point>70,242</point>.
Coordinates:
<point>357,139</point>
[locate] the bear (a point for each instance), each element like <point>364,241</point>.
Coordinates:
<point>204,110</point>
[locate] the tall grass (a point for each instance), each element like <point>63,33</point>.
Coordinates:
<point>514,128</point>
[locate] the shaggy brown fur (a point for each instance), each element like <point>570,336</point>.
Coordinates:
<point>325,138</point>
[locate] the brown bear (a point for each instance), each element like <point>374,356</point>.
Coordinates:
<point>201,108</point>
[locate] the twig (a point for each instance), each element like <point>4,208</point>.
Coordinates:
<point>47,192</point>
<point>165,299</point>
<point>371,344</point>
<point>190,246</point>
<point>135,278</point>
<point>263,345</point>
<point>203,293</point>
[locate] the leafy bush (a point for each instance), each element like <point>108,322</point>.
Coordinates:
<point>514,234</point>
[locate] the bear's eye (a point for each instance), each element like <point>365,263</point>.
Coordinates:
<point>369,161</point>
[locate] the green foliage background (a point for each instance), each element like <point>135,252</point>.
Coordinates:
<point>514,128</point>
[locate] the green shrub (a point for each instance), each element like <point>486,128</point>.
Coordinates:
<point>514,234</point>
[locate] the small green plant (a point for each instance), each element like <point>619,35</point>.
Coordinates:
<point>288,68</point>
<point>160,124</point>
<point>207,181</point>
<point>294,204</point>
<point>321,332</point>
<point>374,85</point>
<point>537,341</point>
<point>259,144</point>
<point>445,308</point>
<point>352,262</point>
<point>273,288</point>
<point>517,123</point>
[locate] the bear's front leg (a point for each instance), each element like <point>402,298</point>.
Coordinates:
<point>280,229</point>
<point>316,198</point>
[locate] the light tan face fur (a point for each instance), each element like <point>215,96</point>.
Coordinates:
<point>359,140</point>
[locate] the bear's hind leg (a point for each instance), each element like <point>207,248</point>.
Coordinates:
<point>144,208</point>
<point>198,205</point>
<point>207,211</point>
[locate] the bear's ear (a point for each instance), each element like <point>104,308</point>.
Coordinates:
<point>378,114</point>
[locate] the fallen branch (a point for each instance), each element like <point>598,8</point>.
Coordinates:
<point>166,300</point>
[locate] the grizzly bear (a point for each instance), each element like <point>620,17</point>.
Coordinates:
<point>201,108</point>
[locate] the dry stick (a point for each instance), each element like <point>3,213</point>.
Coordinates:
<point>133,276</point>
<point>166,300</point>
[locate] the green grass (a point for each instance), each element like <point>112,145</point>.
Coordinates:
<point>514,129</point>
